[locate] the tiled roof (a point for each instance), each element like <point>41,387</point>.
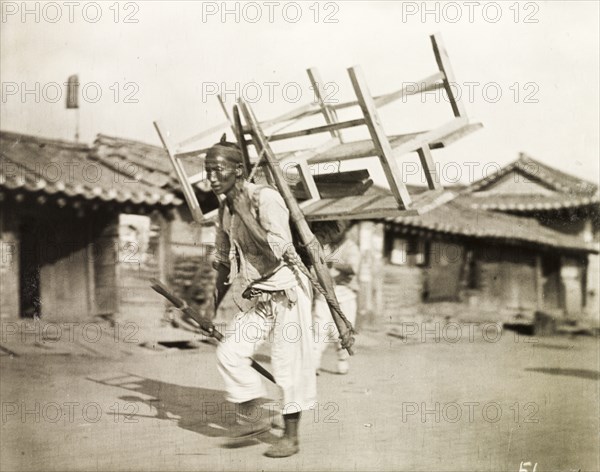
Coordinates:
<point>526,203</point>
<point>565,191</point>
<point>150,162</point>
<point>459,219</point>
<point>49,166</point>
<point>538,171</point>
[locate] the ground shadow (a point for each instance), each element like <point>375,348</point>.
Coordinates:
<point>328,371</point>
<point>201,410</point>
<point>581,373</point>
<point>554,346</point>
<point>520,328</point>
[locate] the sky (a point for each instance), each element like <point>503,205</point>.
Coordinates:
<point>528,71</point>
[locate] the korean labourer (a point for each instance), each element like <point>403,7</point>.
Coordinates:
<point>252,236</point>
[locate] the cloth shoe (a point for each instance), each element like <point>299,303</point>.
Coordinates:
<point>285,447</point>
<point>288,445</point>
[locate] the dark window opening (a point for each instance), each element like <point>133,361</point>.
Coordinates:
<point>472,271</point>
<point>409,252</point>
<point>29,273</point>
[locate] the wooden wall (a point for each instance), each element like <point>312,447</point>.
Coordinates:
<point>503,278</point>
<point>572,275</point>
<point>506,277</point>
<point>140,258</point>
<point>65,292</point>
<point>444,271</point>
<point>53,243</point>
<point>190,255</point>
<point>371,299</point>
<point>104,241</point>
<point>592,296</point>
<point>403,287</point>
<point>583,222</point>
<point>96,262</point>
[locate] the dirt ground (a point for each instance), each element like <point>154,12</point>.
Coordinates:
<point>443,402</point>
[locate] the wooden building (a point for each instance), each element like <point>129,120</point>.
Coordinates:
<point>522,240</point>
<point>562,202</point>
<point>188,247</point>
<point>83,228</point>
<point>80,233</point>
<point>462,252</point>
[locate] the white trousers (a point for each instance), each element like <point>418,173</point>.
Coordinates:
<point>292,352</point>
<point>325,332</point>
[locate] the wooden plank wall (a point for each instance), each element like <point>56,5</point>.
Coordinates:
<point>403,287</point>
<point>572,276</point>
<point>444,271</point>
<point>140,258</point>
<point>59,240</point>
<point>592,298</point>
<point>369,237</point>
<point>190,254</point>
<point>63,275</point>
<point>507,277</point>
<point>105,234</point>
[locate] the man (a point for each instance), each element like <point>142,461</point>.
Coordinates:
<point>343,258</point>
<point>252,237</point>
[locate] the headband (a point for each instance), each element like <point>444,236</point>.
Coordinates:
<point>226,150</point>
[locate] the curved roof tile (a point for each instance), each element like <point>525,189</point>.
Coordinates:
<point>38,164</point>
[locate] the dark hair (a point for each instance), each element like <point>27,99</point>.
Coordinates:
<point>223,142</point>
<point>224,148</point>
<point>324,229</point>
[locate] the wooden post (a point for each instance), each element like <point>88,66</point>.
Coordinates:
<point>429,167</point>
<point>380,140</point>
<point>378,272</point>
<point>226,113</point>
<point>238,130</point>
<point>443,62</point>
<point>188,190</point>
<point>539,283</point>
<point>365,276</point>
<point>90,256</point>
<point>201,135</point>
<point>329,113</point>
<point>164,246</point>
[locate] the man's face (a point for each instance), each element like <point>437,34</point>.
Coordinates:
<point>221,174</point>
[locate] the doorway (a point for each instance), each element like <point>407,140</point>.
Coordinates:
<point>29,273</point>
<point>552,286</point>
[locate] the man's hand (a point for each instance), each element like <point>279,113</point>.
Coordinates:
<point>220,287</point>
<point>341,273</point>
<point>342,278</point>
